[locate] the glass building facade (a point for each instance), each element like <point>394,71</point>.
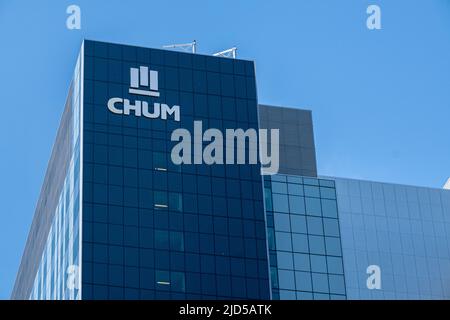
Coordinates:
<point>117,219</point>
<point>404,230</point>
<point>152,229</point>
<point>304,238</point>
<point>50,267</point>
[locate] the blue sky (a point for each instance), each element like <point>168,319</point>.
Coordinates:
<point>380,99</point>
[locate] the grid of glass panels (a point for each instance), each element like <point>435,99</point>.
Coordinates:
<point>154,230</point>
<point>404,230</point>
<point>304,238</point>
<point>58,275</point>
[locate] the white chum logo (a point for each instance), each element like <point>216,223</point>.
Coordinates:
<point>142,77</point>
<point>143,82</point>
<point>221,147</point>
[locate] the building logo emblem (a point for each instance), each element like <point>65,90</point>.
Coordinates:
<point>144,82</point>
<point>221,147</point>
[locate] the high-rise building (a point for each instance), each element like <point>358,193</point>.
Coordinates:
<point>118,218</point>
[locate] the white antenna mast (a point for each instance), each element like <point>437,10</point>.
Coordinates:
<point>191,46</point>
<point>229,53</point>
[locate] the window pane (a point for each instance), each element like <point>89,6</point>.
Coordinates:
<point>284,260</point>
<point>162,279</point>
<point>312,191</point>
<point>317,244</point>
<point>335,265</point>
<point>328,193</point>
<point>301,262</point>
<point>286,279</point>
<point>283,241</point>
<point>159,160</point>
<point>279,187</point>
<point>160,198</point>
<point>320,282</point>
<point>318,264</point>
<point>310,181</point>
<point>296,205</point>
<point>287,295</point>
<point>282,222</point>
<point>327,183</point>
<point>295,189</point>
<point>271,239</point>
<point>175,202</point>
<point>304,296</point>
<point>268,199</point>
<point>331,227</point>
<point>313,206</point>
<point>274,277</point>
<point>300,243</point>
<point>279,178</point>
<point>280,203</point>
<point>294,179</point>
<point>329,208</point>
<point>333,246</point>
<point>298,224</point>
<point>337,285</point>
<point>176,241</point>
<point>321,296</point>
<point>161,239</point>
<point>315,225</point>
<point>177,282</point>
<point>303,281</point>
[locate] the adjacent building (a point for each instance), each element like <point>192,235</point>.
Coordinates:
<point>404,230</point>
<point>118,219</point>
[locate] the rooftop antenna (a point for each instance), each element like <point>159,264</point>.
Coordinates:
<point>191,46</point>
<point>447,184</point>
<point>229,53</point>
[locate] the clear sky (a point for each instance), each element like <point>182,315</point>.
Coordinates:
<point>380,98</point>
